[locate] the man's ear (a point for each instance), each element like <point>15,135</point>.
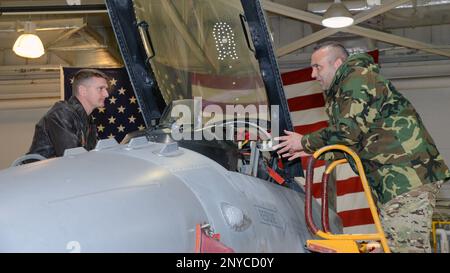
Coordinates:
<point>338,63</point>
<point>82,90</point>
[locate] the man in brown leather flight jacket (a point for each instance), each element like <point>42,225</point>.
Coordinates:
<point>69,124</point>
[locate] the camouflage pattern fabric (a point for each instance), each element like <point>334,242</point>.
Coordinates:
<point>407,219</point>
<point>367,114</point>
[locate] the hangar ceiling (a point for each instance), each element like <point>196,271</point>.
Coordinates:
<point>78,32</point>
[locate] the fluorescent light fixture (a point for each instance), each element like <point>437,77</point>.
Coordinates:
<point>337,16</point>
<point>29,45</point>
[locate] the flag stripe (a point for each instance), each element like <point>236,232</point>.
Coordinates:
<point>344,171</point>
<point>317,179</point>
<point>343,187</point>
<point>232,96</point>
<point>293,77</point>
<point>309,116</point>
<point>227,82</point>
<point>349,185</point>
<point>351,201</point>
<point>302,89</point>
<point>361,229</point>
<point>356,217</point>
<point>317,190</point>
<point>305,129</point>
<point>306,102</point>
<point>249,106</point>
<point>319,163</point>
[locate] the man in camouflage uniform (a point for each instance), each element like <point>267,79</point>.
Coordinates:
<point>401,161</point>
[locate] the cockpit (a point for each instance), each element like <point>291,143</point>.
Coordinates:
<point>205,77</point>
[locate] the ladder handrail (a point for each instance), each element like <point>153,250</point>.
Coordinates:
<point>324,200</point>
<point>379,235</point>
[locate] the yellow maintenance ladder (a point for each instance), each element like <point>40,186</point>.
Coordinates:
<point>340,243</point>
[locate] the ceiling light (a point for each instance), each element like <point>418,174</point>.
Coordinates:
<point>29,45</point>
<point>337,16</point>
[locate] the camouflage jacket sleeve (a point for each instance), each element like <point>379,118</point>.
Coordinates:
<point>351,110</point>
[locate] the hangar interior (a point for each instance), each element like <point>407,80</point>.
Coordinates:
<point>412,39</point>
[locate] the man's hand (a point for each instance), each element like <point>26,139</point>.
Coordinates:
<point>295,155</point>
<point>291,145</point>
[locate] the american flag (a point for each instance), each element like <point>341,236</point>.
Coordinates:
<point>221,90</point>
<point>243,89</point>
<point>121,114</point>
<point>307,107</point>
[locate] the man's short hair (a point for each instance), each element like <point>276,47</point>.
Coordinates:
<point>84,74</point>
<point>338,49</point>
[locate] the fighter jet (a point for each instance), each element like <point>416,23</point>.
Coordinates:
<point>199,178</point>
